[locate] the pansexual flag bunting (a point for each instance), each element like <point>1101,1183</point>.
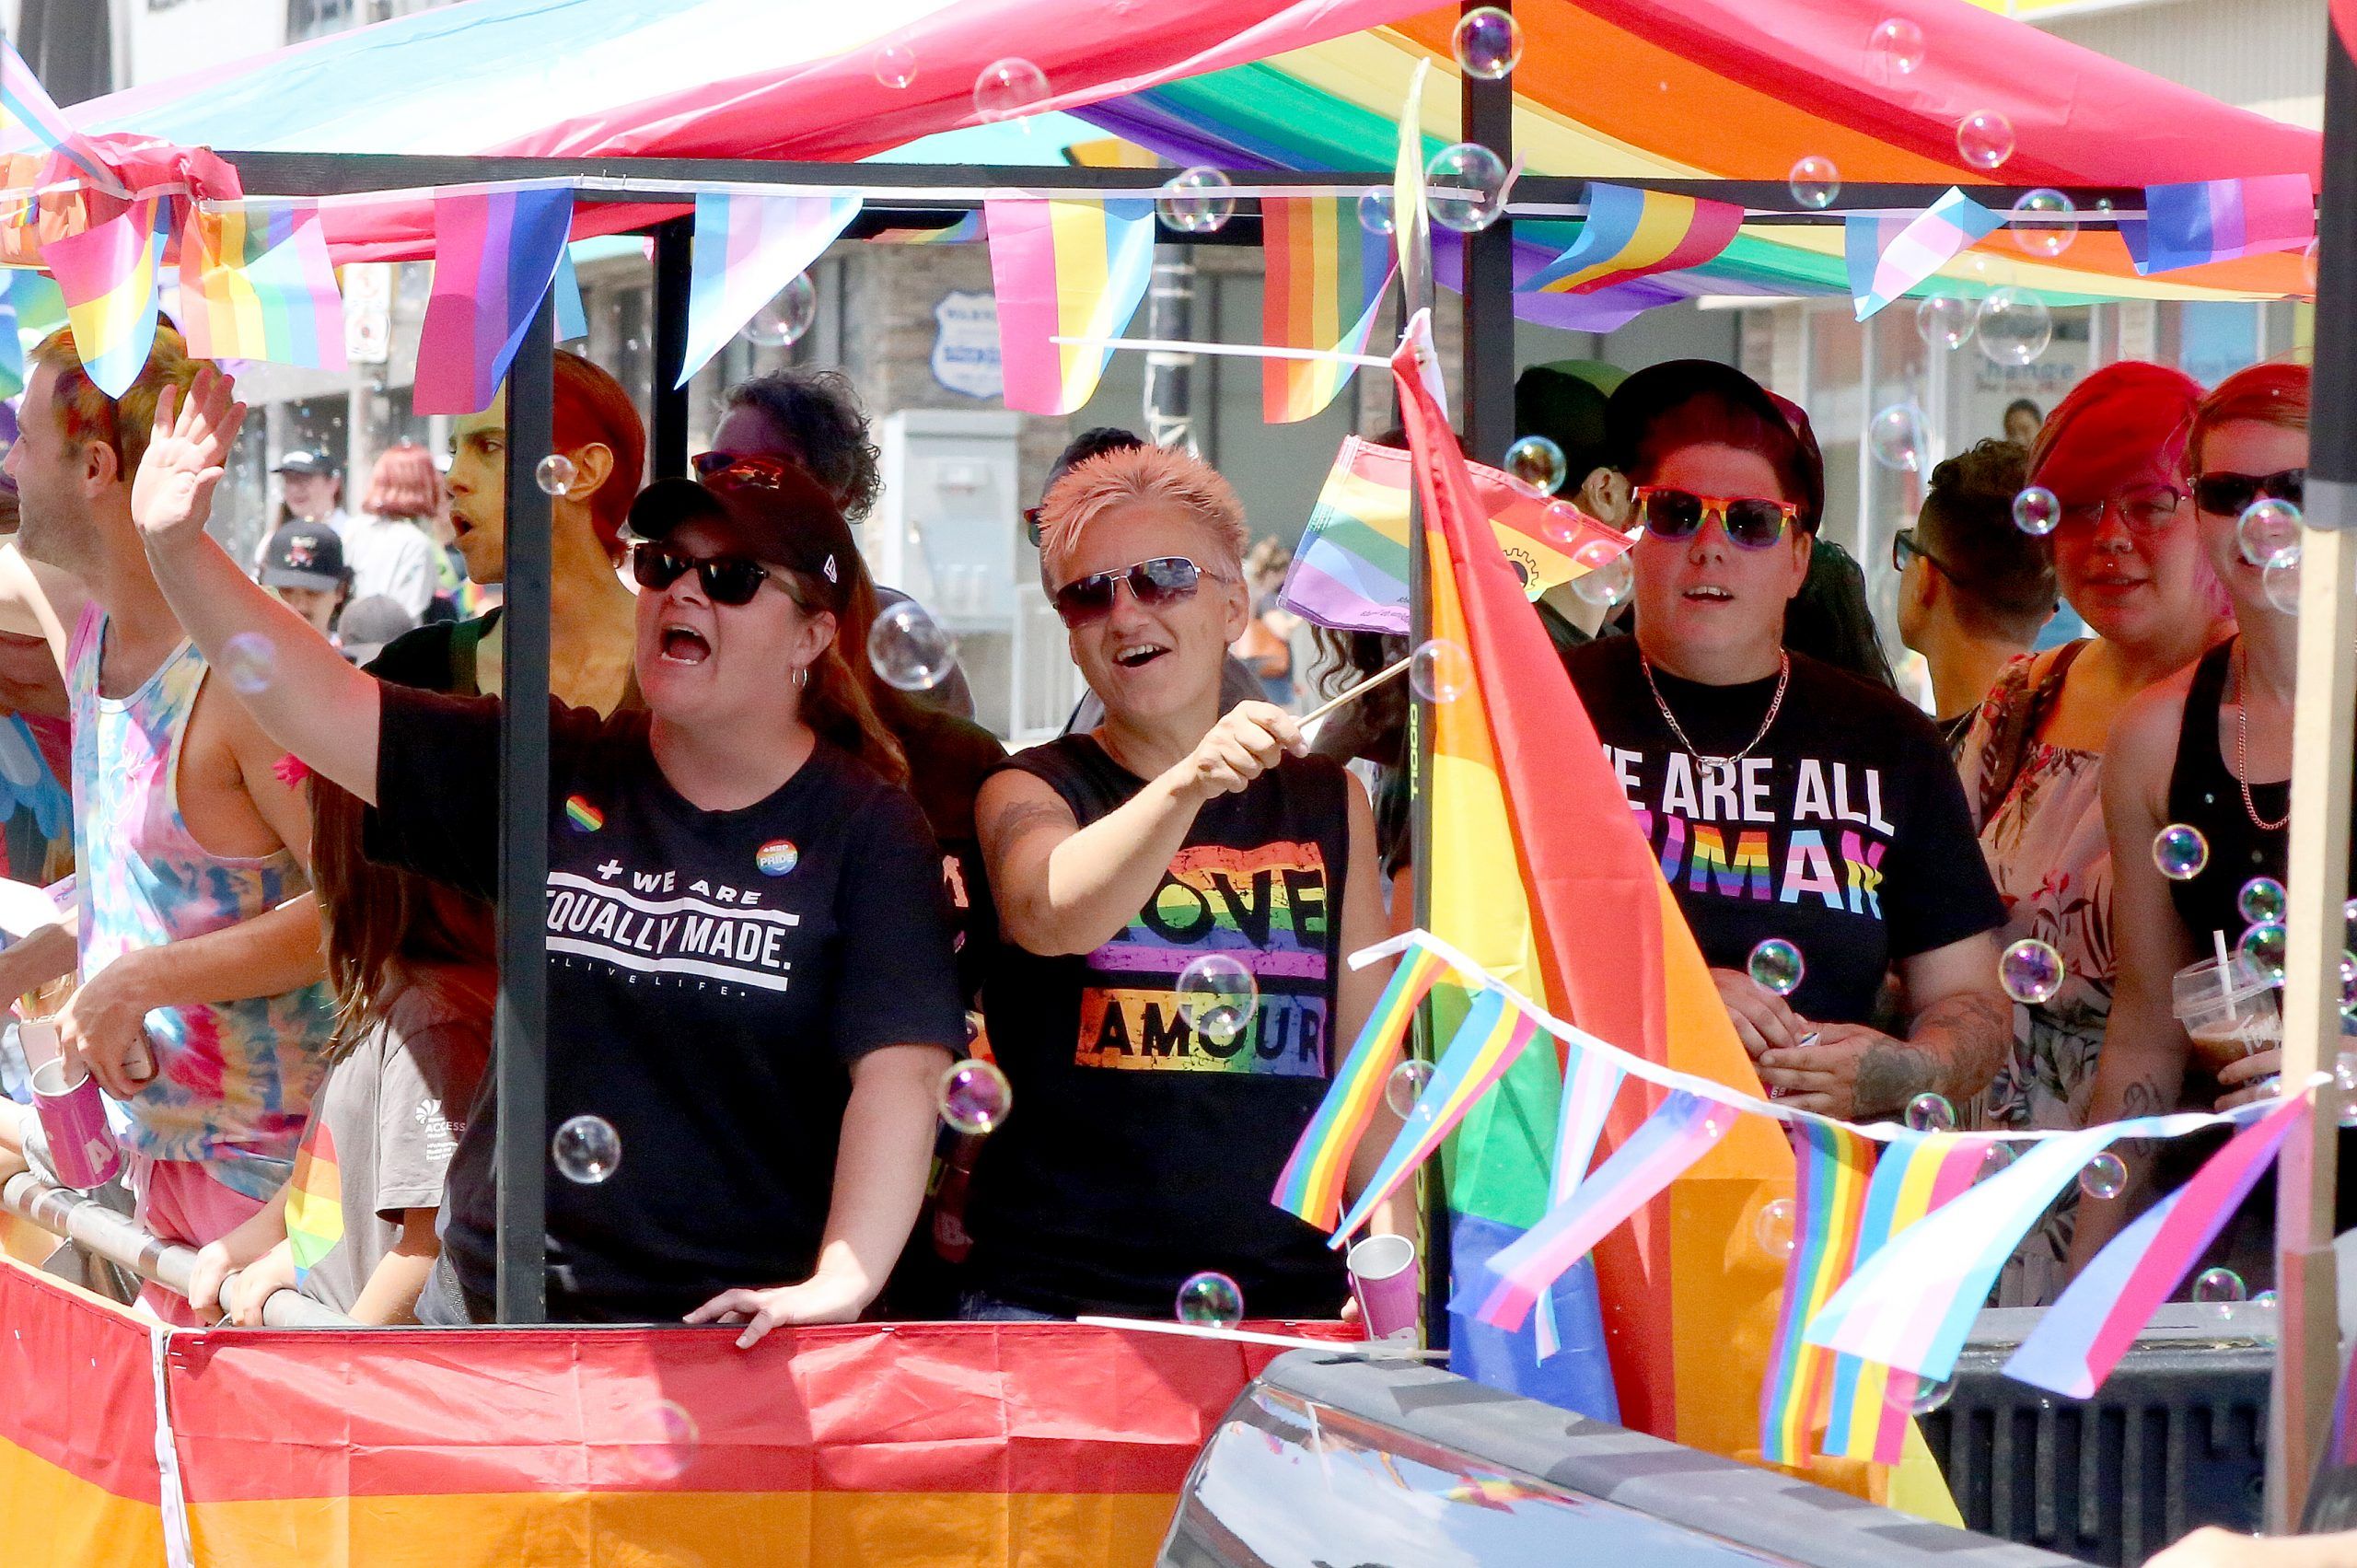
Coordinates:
<point>495,255</point>
<point>1835,1165</point>
<point>107,275</point>
<point>1631,234</point>
<point>2220,220</point>
<point>256,283</point>
<point>1952,225</point>
<point>1065,270</point>
<point>747,250</point>
<point>1326,277</point>
<point>1310,1186</point>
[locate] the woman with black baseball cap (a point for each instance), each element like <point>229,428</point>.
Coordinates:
<point>745,1033</point>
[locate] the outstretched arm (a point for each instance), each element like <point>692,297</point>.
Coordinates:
<point>300,690</point>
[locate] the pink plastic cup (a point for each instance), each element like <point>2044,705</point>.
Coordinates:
<point>1383,1278</point>
<point>82,1147</point>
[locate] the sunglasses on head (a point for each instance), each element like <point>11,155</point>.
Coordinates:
<point>1165,579</point>
<point>742,468</point>
<point>1673,515</point>
<point>726,579</point>
<point>2146,509</point>
<point>2231,494</point>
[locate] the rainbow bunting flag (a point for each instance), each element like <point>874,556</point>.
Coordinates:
<point>1327,275</point>
<point>495,255</point>
<point>969,227</point>
<point>1633,234</point>
<point>748,247</point>
<point>1350,570</point>
<point>1829,1207</point>
<point>1310,1186</point>
<point>1069,270</point>
<point>1931,241</point>
<point>2081,1338</point>
<point>30,120</point>
<point>107,275</point>
<point>256,283</point>
<point>2220,220</point>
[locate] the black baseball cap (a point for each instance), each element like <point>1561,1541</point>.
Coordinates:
<point>302,460</point>
<point>303,555</point>
<point>1650,395</point>
<point>785,521</point>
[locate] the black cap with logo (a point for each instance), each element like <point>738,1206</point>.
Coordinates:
<point>303,555</point>
<point>787,520</point>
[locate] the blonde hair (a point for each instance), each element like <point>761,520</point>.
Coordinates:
<point>126,423</point>
<point>1141,474</point>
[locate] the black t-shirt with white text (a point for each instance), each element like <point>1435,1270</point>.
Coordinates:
<point>1844,832</point>
<point>713,976</point>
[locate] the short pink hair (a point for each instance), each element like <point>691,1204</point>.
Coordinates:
<point>1168,474</point>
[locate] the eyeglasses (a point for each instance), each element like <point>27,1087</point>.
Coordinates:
<point>2146,509</point>
<point>1165,579</point>
<point>726,579</point>
<point>1906,549</point>
<point>719,468</point>
<point>2230,494</point>
<point>1752,521</point>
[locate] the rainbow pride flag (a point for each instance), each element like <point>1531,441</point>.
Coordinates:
<point>1835,1167</point>
<point>1327,275</point>
<point>1936,236</point>
<point>256,283</point>
<point>314,1202</point>
<point>1065,269</point>
<point>747,248</point>
<point>107,275</point>
<point>1310,1186</point>
<point>495,255</point>
<point>2220,220</point>
<point>1633,234</point>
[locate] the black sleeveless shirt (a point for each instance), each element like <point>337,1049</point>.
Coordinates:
<point>1139,1151</point>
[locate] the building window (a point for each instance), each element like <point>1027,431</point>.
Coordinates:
<point>313,19</point>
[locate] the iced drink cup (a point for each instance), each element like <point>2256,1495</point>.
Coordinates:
<point>2227,1013</point>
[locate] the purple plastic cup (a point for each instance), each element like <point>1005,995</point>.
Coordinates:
<point>82,1147</point>
<point>1383,1278</point>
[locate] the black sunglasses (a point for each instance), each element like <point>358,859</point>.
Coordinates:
<point>727,579</point>
<point>1165,579</point>
<point>2231,494</point>
<point>1672,515</point>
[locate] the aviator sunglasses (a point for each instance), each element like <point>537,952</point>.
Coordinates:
<point>1671,514</point>
<point>2231,494</point>
<point>726,579</point>
<point>1164,580</point>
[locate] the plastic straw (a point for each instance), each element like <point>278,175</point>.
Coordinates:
<point>2225,971</point>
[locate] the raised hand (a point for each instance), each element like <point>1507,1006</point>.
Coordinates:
<point>171,496</point>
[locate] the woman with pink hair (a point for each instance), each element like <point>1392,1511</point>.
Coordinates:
<point>387,546</point>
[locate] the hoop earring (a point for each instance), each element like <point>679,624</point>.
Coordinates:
<point>802,675</point>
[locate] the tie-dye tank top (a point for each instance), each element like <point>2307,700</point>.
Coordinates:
<point>234,1080</point>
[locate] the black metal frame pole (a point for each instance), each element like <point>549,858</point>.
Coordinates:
<point>1489,361</point>
<point>521,1059</point>
<point>674,242</point>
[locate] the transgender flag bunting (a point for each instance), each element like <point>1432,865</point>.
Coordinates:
<point>1954,224</point>
<point>748,247</point>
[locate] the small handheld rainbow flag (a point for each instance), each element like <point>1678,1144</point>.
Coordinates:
<point>1631,234</point>
<point>1065,269</point>
<point>1326,278</point>
<point>1311,1184</point>
<point>495,255</point>
<point>1834,1166</point>
<point>108,276</point>
<point>30,120</point>
<point>747,248</point>
<point>2219,220</point>
<point>1953,223</point>
<point>256,283</point>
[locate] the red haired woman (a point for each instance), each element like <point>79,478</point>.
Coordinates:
<point>387,546</point>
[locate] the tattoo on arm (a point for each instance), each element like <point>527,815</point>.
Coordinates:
<point>1889,1075</point>
<point>1967,1037</point>
<point>2141,1098</point>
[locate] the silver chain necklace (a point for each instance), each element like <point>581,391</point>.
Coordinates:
<point>1784,680</point>
<point>2242,746</point>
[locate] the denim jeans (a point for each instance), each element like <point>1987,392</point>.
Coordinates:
<point>974,1306</point>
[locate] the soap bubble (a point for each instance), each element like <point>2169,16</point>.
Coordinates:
<point>2349,987</point>
<point>1375,210</point>
<point>2012,326</point>
<point>2268,528</point>
<point>2180,851</point>
<point>1465,187</point>
<point>2031,971</point>
<point>2217,1290</point>
<point>784,320</point>
<point>1998,1156</point>
<point>1611,576</point>
<point>2260,900</point>
<point>1008,89</point>
<point>974,1096</point>
<point>895,64</point>
<point>1895,437</point>
<point>2266,945</point>
<point>250,662</point>
<point>1931,1113</point>
<point>2038,510</point>
<point>1984,139</point>
<point>2045,222</point>
<point>1943,320</point>
<point>1197,200</point>
<point>2280,582</point>
<point>2264,1302</point>
<point>909,649</point>
<point>1774,1227</point>
<point>1402,1090</point>
<point>2344,1065</point>
<point>1815,182</point>
<point>1440,671</point>
<point>1917,1394</point>
<point>1488,43</point>
<point>1212,1300</point>
<point>2105,1178</point>
<point>659,1441</point>
<point>556,475</point>
<point>1898,45</point>
<point>586,1149</point>
<point>1219,997</point>
<point>1776,965</point>
<point>1538,463</point>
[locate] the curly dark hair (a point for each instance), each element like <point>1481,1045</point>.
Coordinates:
<point>819,412</point>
